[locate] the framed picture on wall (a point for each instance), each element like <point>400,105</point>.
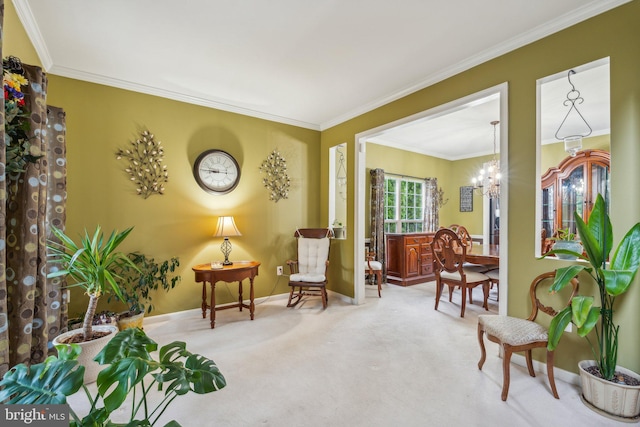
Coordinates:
<point>466,198</point>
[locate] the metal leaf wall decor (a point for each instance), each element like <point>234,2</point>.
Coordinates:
<point>145,168</point>
<point>276,181</point>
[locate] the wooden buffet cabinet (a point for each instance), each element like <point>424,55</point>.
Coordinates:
<point>409,258</point>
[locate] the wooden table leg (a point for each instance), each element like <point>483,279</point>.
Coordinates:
<point>251,304</point>
<point>204,300</point>
<point>213,305</point>
<point>240,294</point>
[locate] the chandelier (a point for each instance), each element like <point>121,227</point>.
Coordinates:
<point>573,143</point>
<point>488,182</point>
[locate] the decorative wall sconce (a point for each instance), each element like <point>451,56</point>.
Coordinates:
<point>573,143</point>
<point>341,173</point>
<point>226,228</point>
<point>440,200</point>
<point>145,167</point>
<point>276,181</point>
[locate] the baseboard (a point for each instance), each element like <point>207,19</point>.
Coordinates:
<point>539,367</point>
<point>188,313</point>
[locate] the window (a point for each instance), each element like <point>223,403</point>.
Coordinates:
<point>404,205</point>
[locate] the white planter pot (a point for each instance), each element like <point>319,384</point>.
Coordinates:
<point>339,233</point>
<point>617,401</point>
<point>90,349</point>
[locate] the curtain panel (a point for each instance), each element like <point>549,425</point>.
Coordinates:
<point>431,208</point>
<point>377,218</point>
<point>4,321</point>
<point>32,308</point>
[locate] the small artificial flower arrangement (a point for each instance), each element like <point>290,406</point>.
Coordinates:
<point>16,117</point>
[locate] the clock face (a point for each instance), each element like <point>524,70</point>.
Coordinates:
<point>216,171</point>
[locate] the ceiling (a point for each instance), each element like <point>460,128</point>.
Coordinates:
<point>313,64</point>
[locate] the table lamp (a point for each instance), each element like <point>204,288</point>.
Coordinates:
<point>226,228</point>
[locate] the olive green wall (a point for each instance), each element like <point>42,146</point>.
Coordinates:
<point>614,34</point>
<point>101,119</point>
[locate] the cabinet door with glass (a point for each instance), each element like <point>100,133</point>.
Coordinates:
<point>573,186</point>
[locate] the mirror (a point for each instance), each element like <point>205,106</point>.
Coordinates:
<point>338,190</point>
<point>573,147</point>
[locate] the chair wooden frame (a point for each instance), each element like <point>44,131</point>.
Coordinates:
<point>371,271</point>
<point>449,257</point>
<point>508,349</point>
<point>299,289</point>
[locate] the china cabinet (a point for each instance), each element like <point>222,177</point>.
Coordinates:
<point>571,187</point>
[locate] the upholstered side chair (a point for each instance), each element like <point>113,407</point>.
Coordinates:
<point>514,334</point>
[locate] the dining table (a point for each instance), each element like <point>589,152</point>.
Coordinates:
<point>483,254</point>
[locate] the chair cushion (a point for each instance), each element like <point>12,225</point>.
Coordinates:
<point>311,278</point>
<point>312,256</point>
<point>512,330</point>
<point>375,265</point>
<point>474,267</point>
<point>493,274</point>
<point>472,276</point>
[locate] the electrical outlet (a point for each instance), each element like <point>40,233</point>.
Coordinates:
<point>279,270</point>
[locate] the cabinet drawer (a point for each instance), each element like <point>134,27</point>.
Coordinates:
<point>418,240</point>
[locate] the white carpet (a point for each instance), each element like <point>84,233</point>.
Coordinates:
<point>393,361</point>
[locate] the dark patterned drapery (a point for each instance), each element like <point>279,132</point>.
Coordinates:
<point>33,309</point>
<point>377,218</point>
<point>4,321</point>
<point>431,208</point>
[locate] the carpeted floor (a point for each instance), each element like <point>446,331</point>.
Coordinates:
<point>393,361</point>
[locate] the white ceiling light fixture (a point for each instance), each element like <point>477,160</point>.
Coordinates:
<point>488,182</point>
<point>573,141</point>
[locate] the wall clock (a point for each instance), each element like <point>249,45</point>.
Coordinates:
<point>216,171</point>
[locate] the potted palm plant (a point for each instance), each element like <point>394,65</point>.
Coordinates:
<point>600,375</point>
<point>139,284</point>
<point>93,264</point>
<point>128,371</point>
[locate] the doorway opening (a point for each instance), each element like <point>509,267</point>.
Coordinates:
<point>380,133</point>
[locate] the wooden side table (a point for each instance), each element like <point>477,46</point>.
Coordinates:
<point>237,272</point>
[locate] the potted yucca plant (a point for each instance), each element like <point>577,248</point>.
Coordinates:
<point>93,264</point>
<point>612,281</point>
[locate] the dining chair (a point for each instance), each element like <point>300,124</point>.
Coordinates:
<point>373,269</point>
<point>494,277</point>
<point>514,334</point>
<point>309,271</point>
<point>449,258</point>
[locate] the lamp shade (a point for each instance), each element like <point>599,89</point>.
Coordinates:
<point>226,227</point>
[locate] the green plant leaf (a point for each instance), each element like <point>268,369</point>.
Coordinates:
<point>49,382</point>
<point>627,255</point>
<point>590,321</point>
<point>617,282</point>
<point>116,380</point>
<point>564,276</point>
<point>557,326</point>
<point>131,342</point>
<point>597,235</point>
<point>580,306</point>
<point>198,373</point>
